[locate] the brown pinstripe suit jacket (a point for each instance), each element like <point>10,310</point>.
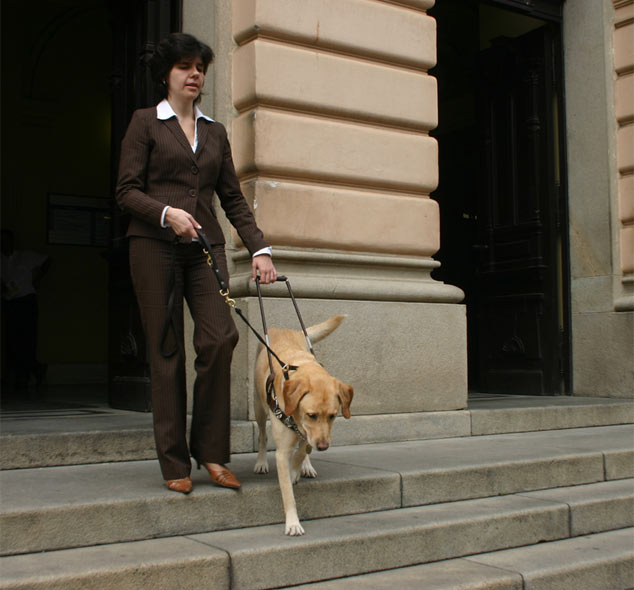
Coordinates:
<point>159,168</point>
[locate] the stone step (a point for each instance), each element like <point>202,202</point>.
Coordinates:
<point>494,414</point>
<point>120,502</point>
<point>174,562</point>
<point>99,435</point>
<point>262,557</point>
<point>604,561</point>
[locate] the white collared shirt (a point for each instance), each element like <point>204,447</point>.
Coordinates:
<point>165,111</point>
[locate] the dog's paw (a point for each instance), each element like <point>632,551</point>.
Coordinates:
<point>261,467</point>
<point>294,529</point>
<point>295,475</point>
<point>308,470</point>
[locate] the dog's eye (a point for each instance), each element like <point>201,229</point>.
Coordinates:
<point>332,416</point>
<point>312,416</point>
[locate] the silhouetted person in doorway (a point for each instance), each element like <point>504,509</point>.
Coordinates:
<point>21,273</point>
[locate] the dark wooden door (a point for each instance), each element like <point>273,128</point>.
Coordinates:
<point>137,26</point>
<point>517,284</point>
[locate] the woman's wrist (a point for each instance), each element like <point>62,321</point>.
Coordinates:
<point>268,251</point>
<point>163,216</point>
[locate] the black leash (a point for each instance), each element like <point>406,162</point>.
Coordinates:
<point>271,397</point>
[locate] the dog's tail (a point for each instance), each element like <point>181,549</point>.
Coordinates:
<point>320,331</point>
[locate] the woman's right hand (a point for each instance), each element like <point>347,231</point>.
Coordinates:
<point>182,223</point>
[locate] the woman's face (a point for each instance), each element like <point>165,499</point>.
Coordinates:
<point>186,79</point>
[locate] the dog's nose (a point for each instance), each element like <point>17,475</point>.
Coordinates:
<point>322,445</point>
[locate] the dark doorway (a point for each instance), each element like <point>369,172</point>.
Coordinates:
<point>73,73</point>
<point>502,201</point>
<point>56,60</point>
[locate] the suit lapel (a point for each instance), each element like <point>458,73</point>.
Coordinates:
<point>203,128</point>
<point>174,126</point>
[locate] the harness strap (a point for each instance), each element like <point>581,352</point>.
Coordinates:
<point>271,400</point>
<point>285,367</point>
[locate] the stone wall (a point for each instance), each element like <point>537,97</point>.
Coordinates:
<point>329,110</point>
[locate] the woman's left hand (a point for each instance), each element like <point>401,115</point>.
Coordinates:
<point>263,265</point>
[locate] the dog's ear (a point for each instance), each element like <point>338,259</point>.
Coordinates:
<point>294,390</point>
<point>345,397</point>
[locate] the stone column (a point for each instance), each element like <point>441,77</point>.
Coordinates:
<point>624,107</point>
<point>602,334</point>
<point>331,142</point>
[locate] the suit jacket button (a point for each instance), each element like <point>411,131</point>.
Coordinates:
<point>192,192</point>
<point>194,169</point>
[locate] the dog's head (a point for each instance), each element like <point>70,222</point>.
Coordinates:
<point>314,397</point>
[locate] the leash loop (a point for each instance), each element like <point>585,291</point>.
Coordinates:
<point>207,252</point>
<point>230,302</point>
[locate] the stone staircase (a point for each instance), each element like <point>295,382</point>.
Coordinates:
<point>522,493</point>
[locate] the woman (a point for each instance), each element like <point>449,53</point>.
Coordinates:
<point>173,158</point>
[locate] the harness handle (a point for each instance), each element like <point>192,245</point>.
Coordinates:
<point>299,317</point>
<point>286,368</point>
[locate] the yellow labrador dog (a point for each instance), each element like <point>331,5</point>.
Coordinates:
<point>311,396</point>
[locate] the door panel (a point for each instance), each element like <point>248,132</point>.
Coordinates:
<point>516,267</point>
<point>137,26</point>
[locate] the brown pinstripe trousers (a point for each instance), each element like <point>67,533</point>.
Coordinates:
<point>215,336</point>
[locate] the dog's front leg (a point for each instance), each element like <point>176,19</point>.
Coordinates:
<point>283,460</point>
<point>307,468</point>
<point>297,465</point>
<point>262,463</point>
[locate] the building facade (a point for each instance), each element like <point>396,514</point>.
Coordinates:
<point>456,177</point>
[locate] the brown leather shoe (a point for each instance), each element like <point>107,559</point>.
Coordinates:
<point>221,475</point>
<point>184,485</point>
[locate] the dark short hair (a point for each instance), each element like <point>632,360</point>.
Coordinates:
<point>170,51</point>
